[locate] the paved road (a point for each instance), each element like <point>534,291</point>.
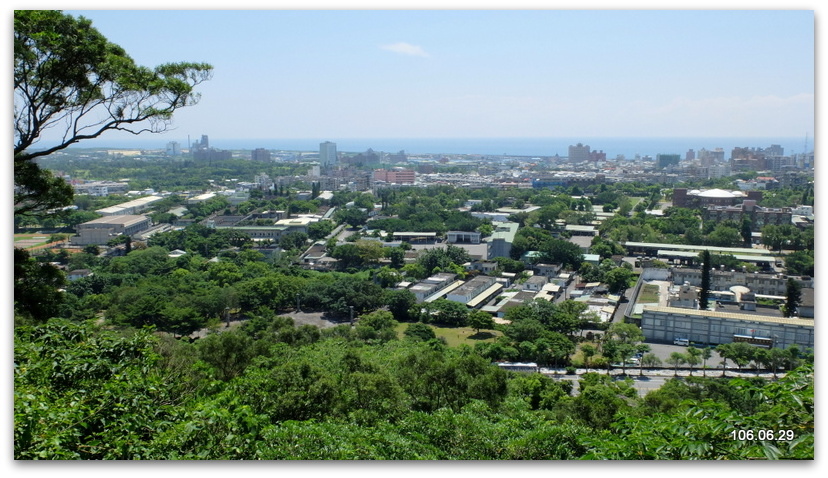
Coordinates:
<point>643,385</point>
<point>652,379</point>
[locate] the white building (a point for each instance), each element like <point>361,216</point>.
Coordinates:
<point>471,289</point>
<point>100,231</point>
<point>130,207</point>
<point>327,154</point>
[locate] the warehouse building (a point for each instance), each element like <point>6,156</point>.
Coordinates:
<point>100,231</point>
<point>666,324</point>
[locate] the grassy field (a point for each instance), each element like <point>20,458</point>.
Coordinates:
<point>456,336</point>
<point>648,294</point>
<point>30,240</point>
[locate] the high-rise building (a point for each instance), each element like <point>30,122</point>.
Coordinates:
<point>173,148</point>
<point>775,150</point>
<point>578,153</point>
<point>665,160</point>
<point>598,155</point>
<point>260,154</point>
<point>327,154</point>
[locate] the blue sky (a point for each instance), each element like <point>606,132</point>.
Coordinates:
<point>589,73</point>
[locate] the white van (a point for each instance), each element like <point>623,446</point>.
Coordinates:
<point>681,342</point>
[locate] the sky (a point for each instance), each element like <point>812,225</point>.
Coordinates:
<point>483,73</point>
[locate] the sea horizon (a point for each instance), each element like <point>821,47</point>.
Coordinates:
<point>506,146</point>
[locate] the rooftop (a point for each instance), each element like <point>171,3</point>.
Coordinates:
<point>730,315</point>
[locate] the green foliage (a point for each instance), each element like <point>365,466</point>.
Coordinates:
<point>69,78</point>
<point>318,230</point>
<point>701,428</point>
<point>442,259</point>
<point>293,240</point>
<point>558,251</point>
<point>85,393</point>
<point>800,263</point>
<point>477,319</point>
<point>353,217</point>
<point>361,253</point>
<point>617,279</point>
<point>447,312</point>
<point>419,331</point>
<point>88,393</point>
<point>400,303</point>
<point>793,297</point>
<point>200,239</point>
<point>36,295</point>
<point>338,296</point>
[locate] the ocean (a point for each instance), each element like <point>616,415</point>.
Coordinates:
<point>629,147</point>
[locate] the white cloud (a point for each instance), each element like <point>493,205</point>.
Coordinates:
<point>405,49</point>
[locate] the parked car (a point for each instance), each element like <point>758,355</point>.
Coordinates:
<point>678,341</point>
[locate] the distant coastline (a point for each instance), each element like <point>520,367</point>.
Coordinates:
<point>629,147</point>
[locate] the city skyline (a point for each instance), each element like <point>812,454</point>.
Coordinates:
<point>441,74</point>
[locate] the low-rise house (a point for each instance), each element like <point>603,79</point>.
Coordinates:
<point>535,283</point>
<point>78,274</point>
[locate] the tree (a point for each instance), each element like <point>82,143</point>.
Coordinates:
<point>378,320</point>
<point>800,263</point>
<point>772,359</point>
<point>419,331</point>
<point>650,360</point>
<point>725,351</point>
<point>704,293</point>
<point>793,297</point>
<point>724,236</point>
<point>746,230</point>
<point>293,240</point>
<point>740,353</point>
<point>478,319</point>
<point>707,352</point>
<point>617,279</point>
<point>36,294</point>
<point>676,359</point>
<point>396,255</point>
<point>692,357</point>
<point>354,217</point>
<point>449,312</point>
<point>588,352</point>
<point>70,79</point>
<point>400,302</point>
<point>443,258</point>
<point>559,251</point>
<point>318,230</point>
